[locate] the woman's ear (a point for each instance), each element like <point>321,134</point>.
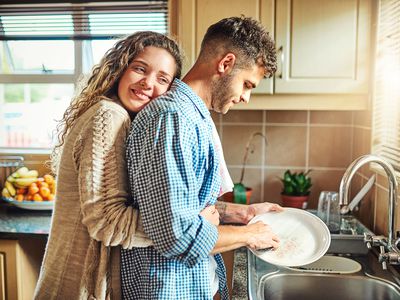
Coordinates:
<point>226,63</point>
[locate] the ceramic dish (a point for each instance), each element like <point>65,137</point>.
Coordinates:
<point>31,205</point>
<point>304,238</point>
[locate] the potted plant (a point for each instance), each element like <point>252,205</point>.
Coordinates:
<point>241,193</point>
<point>296,189</point>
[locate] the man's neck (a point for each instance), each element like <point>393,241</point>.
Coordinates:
<point>200,84</point>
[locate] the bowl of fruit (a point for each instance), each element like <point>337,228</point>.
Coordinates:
<point>26,189</point>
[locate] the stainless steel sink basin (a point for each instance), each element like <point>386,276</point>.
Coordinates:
<point>266,281</point>
<point>327,287</point>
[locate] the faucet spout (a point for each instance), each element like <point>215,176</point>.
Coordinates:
<point>345,186</point>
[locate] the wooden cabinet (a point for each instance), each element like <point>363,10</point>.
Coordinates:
<point>2,276</point>
<point>20,262</point>
<point>324,48</point>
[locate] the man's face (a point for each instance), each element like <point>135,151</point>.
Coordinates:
<point>234,88</point>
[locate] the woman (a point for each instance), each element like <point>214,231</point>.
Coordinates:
<point>92,211</point>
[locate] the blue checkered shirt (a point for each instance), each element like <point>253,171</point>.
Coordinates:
<point>173,174</point>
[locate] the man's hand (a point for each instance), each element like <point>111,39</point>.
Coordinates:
<point>261,236</point>
<point>260,208</point>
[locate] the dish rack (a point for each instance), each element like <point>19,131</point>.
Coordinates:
<point>9,164</point>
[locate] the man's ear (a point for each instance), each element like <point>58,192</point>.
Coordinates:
<point>226,63</point>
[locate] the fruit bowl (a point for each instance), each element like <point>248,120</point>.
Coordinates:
<point>26,185</point>
<point>30,205</point>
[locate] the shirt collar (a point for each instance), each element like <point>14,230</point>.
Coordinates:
<point>192,96</point>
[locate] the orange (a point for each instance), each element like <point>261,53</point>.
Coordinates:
<point>51,197</point>
<point>49,179</point>
<point>53,188</point>
<point>33,189</point>
<point>37,197</point>
<point>19,197</point>
<point>44,191</point>
<point>21,191</point>
<point>43,184</point>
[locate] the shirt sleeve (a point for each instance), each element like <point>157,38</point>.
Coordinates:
<point>165,185</point>
<point>103,184</point>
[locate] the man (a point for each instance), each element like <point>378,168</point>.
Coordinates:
<point>173,168</point>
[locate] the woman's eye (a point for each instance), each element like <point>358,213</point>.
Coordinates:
<point>164,80</point>
<point>139,69</point>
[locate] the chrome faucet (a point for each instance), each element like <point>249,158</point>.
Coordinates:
<point>393,255</point>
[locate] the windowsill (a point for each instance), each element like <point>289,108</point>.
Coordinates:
<point>25,151</point>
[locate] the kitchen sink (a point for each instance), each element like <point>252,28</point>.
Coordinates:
<point>267,281</point>
<point>327,287</point>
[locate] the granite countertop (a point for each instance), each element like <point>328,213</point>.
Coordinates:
<point>16,222</point>
<point>239,289</point>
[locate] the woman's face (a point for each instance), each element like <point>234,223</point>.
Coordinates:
<point>149,75</point>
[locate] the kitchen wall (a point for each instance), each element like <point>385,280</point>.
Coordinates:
<point>324,141</point>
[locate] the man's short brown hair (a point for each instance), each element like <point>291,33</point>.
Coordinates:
<point>244,37</point>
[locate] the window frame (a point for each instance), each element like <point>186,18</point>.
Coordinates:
<point>79,38</point>
<point>381,140</point>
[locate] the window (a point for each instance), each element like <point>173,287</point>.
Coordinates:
<point>386,109</point>
<point>44,49</point>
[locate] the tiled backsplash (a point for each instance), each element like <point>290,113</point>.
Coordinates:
<point>324,141</point>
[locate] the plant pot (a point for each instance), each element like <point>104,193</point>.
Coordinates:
<point>228,197</point>
<point>294,201</point>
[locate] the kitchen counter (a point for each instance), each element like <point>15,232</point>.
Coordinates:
<point>16,223</point>
<point>239,290</point>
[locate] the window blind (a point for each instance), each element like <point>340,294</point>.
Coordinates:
<point>386,98</point>
<point>97,20</point>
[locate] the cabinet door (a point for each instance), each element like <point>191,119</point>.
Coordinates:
<point>196,16</point>
<point>21,265</point>
<point>324,46</point>
<point>2,276</point>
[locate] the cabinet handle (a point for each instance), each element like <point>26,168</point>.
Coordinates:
<point>281,59</point>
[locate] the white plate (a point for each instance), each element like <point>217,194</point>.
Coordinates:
<point>31,205</point>
<point>304,238</point>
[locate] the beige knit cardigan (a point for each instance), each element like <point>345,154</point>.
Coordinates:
<point>91,212</point>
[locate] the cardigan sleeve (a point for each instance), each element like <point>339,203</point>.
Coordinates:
<point>103,186</point>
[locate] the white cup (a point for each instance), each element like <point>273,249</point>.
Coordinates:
<point>329,210</point>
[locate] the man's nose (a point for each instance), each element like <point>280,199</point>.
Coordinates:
<point>245,97</point>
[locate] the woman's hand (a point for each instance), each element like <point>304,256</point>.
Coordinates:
<point>210,213</point>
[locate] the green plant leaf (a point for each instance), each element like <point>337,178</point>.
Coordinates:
<point>296,184</point>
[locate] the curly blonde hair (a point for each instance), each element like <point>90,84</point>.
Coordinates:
<point>104,79</point>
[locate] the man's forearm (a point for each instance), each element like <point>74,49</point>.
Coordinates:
<point>230,237</point>
<point>232,212</point>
